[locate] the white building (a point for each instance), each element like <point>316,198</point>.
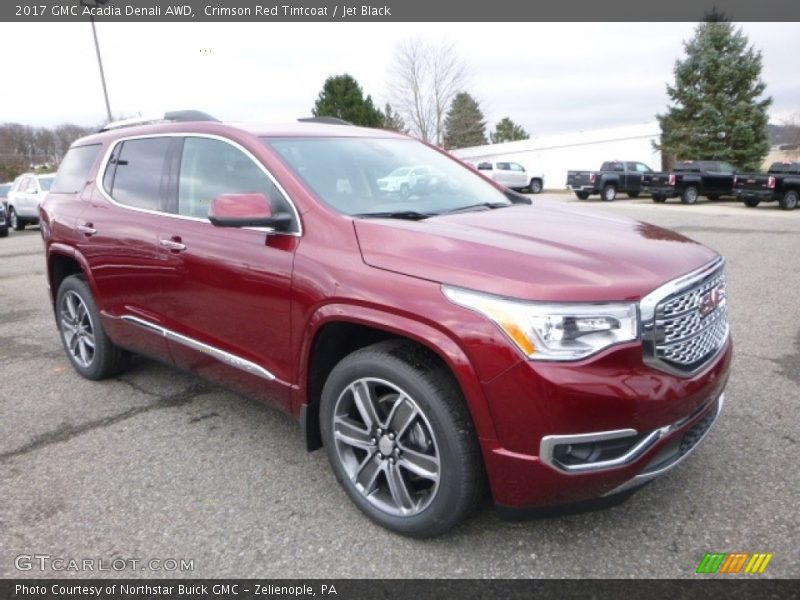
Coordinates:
<point>554,155</point>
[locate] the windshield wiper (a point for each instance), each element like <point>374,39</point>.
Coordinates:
<point>480,205</point>
<point>410,215</point>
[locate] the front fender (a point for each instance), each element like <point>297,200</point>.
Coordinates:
<point>436,340</point>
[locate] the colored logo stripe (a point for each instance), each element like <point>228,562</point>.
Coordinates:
<point>734,562</point>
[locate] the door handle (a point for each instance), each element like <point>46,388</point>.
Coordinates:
<point>173,245</point>
<point>87,230</point>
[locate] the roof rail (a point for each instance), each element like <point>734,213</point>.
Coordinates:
<point>328,120</point>
<point>175,116</point>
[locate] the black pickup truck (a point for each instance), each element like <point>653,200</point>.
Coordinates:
<point>691,179</point>
<point>781,183</point>
<point>614,176</point>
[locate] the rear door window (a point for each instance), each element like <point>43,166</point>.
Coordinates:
<point>137,173</point>
<point>74,169</point>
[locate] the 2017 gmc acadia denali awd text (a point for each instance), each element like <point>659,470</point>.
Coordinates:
<point>432,341</point>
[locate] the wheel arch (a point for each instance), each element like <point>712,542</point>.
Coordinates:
<point>334,335</point>
<point>63,261</point>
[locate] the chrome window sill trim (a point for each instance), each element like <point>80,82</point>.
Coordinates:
<point>222,356</point>
<point>548,444</point>
<point>643,478</point>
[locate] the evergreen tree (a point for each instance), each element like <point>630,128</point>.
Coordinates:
<point>716,110</point>
<point>342,97</point>
<point>464,125</point>
<point>507,131</point>
<point>392,120</point>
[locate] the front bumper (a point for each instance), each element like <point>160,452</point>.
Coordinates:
<point>535,407</point>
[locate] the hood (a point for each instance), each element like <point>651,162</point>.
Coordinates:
<point>534,253</point>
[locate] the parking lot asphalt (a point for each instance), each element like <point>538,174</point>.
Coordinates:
<point>157,464</point>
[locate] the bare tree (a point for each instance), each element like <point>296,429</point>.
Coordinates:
<point>425,79</point>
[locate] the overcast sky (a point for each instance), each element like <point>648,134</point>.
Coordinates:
<point>548,77</point>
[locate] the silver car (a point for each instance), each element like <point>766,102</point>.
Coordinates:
<point>24,198</point>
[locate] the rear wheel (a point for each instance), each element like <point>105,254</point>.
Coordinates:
<point>609,193</point>
<point>789,200</point>
<point>535,186</point>
<point>751,202</point>
<point>582,195</point>
<point>689,195</point>
<point>400,439</point>
<point>17,223</point>
<point>633,194</point>
<point>88,348</point>
<point>658,198</point>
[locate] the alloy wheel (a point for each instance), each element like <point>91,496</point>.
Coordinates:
<point>386,446</point>
<point>77,328</point>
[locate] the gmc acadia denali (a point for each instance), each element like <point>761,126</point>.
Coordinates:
<point>432,341</point>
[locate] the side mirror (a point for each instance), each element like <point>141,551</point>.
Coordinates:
<point>246,210</point>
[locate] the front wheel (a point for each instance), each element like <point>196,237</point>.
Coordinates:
<point>751,202</point>
<point>633,194</point>
<point>789,200</point>
<point>712,197</point>
<point>535,186</point>
<point>16,223</point>
<point>658,198</point>
<point>88,348</point>
<point>582,195</point>
<point>400,439</point>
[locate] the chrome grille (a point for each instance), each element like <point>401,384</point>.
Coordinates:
<point>685,322</point>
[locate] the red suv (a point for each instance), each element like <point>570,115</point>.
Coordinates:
<point>431,341</point>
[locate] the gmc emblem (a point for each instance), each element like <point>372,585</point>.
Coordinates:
<point>711,300</point>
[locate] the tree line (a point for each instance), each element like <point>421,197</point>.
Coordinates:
<point>23,147</point>
<point>717,111</point>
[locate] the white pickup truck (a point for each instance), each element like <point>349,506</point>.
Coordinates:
<point>512,175</point>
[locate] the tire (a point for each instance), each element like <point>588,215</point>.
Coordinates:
<point>751,202</point>
<point>409,413</point>
<point>713,197</point>
<point>789,200</point>
<point>4,232</point>
<point>582,195</point>
<point>633,194</point>
<point>79,325</point>
<point>689,195</point>
<point>659,199</point>
<point>609,193</point>
<point>535,186</point>
<point>16,223</point>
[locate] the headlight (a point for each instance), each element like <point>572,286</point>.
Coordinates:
<point>554,331</point>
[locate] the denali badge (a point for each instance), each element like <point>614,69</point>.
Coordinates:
<point>709,301</point>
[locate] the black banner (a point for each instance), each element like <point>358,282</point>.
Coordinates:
<point>393,10</point>
<point>339,589</point>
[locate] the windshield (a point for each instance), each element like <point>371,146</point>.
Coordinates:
<point>45,183</point>
<point>358,176</point>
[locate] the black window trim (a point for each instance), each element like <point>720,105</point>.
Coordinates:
<point>184,134</point>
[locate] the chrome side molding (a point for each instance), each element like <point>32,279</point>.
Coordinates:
<point>220,355</point>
